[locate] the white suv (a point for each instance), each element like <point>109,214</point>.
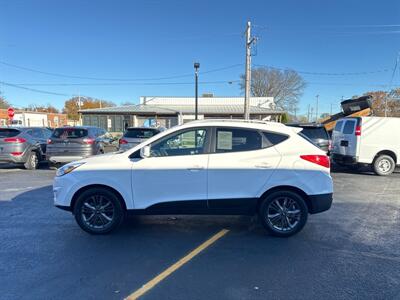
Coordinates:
<point>202,167</point>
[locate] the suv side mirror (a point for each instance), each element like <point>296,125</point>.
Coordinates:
<point>145,152</point>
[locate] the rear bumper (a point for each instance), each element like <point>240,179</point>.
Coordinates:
<point>344,159</point>
<point>17,159</point>
<point>320,203</point>
<point>64,159</point>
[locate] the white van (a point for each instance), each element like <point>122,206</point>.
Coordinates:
<point>373,141</point>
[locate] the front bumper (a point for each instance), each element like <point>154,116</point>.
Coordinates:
<point>320,203</point>
<point>344,159</point>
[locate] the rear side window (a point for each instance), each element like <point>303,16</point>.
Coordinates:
<point>338,126</point>
<point>236,139</point>
<point>349,127</point>
<point>273,139</point>
<point>140,133</point>
<point>8,132</point>
<point>69,133</point>
<point>315,133</point>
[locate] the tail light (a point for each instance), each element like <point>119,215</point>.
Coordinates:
<point>49,141</point>
<point>358,130</point>
<point>16,153</point>
<point>123,142</point>
<point>15,140</point>
<point>88,141</point>
<point>321,160</point>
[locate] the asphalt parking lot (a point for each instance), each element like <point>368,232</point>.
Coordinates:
<point>349,252</point>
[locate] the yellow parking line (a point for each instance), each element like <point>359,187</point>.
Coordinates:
<point>152,283</point>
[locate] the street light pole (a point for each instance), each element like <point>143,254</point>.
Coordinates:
<point>196,75</point>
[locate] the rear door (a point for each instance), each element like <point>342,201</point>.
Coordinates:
<point>239,167</point>
<point>9,141</point>
<point>70,141</point>
<point>345,139</point>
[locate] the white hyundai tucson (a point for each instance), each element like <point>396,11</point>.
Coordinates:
<point>209,167</point>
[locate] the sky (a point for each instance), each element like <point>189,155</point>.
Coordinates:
<point>120,50</point>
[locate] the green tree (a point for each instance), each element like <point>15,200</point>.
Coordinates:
<point>285,118</point>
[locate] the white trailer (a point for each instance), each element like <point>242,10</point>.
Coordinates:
<point>29,119</point>
<point>372,141</point>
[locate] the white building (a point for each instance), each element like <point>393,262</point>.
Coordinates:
<point>170,111</point>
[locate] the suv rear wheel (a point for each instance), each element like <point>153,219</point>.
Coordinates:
<point>283,213</point>
<point>32,162</point>
<point>384,165</point>
<point>98,211</point>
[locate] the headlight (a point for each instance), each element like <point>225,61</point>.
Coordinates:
<point>68,168</point>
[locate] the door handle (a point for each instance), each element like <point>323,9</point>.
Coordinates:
<point>263,166</point>
<point>195,168</point>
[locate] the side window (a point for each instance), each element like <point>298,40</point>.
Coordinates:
<point>338,126</point>
<point>272,139</point>
<point>30,132</point>
<point>349,127</point>
<point>237,139</point>
<point>189,142</point>
<point>46,133</point>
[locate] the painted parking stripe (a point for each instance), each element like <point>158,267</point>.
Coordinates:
<point>160,277</point>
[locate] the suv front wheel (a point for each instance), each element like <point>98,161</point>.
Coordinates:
<point>283,213</point>
<point>98,211</point>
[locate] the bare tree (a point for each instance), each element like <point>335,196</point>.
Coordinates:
<point>285,86</point>
<point>3,102</point>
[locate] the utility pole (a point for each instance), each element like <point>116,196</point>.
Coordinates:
<point>79,109</point>
<point>331,108</point>
<point>247,82</point>
<point>196,89</point>
<point>390,84</point>
<point>316,110</point>
<point>312,112</point>
<point>308,113</point>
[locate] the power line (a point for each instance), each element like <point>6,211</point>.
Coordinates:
<point>127,83</point>
<point>328,73</point>
<point>24,86</point>
<point>113,79</point>
<point>34,90</point>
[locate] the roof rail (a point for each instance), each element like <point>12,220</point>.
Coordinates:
<point>236,120</point>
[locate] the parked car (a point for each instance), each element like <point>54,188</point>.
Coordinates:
<point>202,167</point>
<point>23,145</point>
<point>316,133</point>
<point>68,144</point>
<point>135,135</point>
<point>370,141</point>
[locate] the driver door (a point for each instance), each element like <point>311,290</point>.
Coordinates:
<point>175,171</point>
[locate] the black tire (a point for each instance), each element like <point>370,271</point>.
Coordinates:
<point>384,165</point>
<point>294,221</point>
<point>32,163</point>
<point>89,215</point>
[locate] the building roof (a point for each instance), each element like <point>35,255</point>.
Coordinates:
<point>177,109</point>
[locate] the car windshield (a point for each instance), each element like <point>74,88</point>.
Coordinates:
<point>8,132</point>
<point>315,133</point>
<point>140,133</point>
<point>69,133</point>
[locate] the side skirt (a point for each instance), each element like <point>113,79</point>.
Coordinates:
<point>242,206</point>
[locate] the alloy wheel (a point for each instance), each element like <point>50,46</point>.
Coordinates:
<point>98,212</point>
<point>283,214</point>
